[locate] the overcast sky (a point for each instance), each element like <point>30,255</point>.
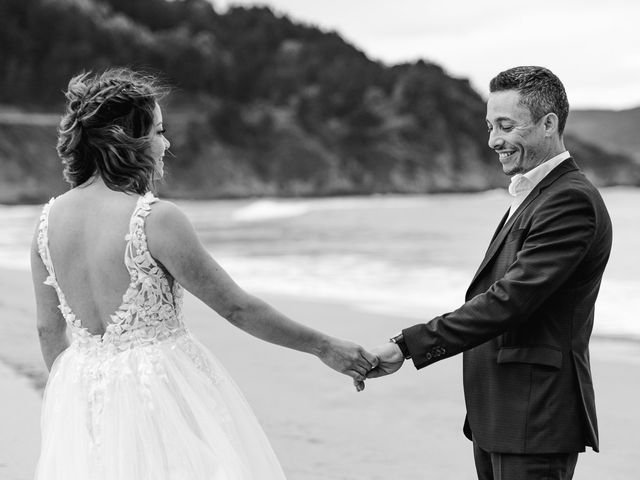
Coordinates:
<point>592,45</point>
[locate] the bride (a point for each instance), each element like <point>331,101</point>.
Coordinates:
<point>132,395</point>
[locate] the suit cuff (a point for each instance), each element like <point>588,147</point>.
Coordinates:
<point>423,346</point>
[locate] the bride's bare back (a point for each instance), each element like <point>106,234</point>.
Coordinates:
<point>87,229</point>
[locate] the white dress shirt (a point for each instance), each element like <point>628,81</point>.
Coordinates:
<point>522,184</point>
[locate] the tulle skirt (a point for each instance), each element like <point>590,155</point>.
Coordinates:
<point>166,410</point>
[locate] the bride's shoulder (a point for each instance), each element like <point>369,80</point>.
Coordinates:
<point>165,211</point>
<point>169,232</point>
<point>167,219</point>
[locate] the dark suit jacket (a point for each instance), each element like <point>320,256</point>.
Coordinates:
<point>526,323</point>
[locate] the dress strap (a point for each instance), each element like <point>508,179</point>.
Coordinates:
<point>43,242</point>
<point>45,255</point>
<point>136,239</point>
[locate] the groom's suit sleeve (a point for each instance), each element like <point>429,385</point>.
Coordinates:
<point>561,230</point>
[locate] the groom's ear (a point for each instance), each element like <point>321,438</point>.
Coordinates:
<point>551,123</point>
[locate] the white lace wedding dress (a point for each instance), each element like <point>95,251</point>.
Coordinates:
<point>146,401</point>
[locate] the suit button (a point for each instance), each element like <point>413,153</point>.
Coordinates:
<point>429,356</point>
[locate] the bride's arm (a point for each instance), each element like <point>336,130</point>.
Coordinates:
<point>173,241</point>
<point>51,325</point>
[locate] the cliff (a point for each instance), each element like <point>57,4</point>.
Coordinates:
<point>262,105</point>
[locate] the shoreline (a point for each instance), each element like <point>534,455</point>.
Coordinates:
<point>22,356</point>
<point>488,190</point>
<point>624,349</point>
<point>613,347</point>
<point>24,359</point>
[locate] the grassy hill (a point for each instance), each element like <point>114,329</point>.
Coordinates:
<point>262,105</point>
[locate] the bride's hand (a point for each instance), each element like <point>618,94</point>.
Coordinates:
<point>348,358</point>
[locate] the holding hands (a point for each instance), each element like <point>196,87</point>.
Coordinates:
<point>353,360</point>
<point>390,359</point>
<point>350,359</point>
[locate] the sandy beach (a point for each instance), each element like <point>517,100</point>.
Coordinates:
<point>405,426</point>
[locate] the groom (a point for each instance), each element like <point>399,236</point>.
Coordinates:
<point>528,316</point>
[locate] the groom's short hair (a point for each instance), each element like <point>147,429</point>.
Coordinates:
<point>541,91</point>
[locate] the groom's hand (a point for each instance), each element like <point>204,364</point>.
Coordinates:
<point>350,359</point>
<point>390,359</point>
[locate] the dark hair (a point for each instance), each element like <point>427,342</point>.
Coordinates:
<point>104,129</point>
<point>541,91</point>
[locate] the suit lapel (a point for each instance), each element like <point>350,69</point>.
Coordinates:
<point>500,225</point>
<point>505,227</point>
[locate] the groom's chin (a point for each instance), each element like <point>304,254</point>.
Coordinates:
<point>510,170</point>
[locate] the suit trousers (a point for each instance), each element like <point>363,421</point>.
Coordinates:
<point>507,466</point>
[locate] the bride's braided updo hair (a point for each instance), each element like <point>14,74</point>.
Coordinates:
<point>105,128</point>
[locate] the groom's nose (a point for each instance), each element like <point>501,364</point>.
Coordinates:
<point>494,139</point>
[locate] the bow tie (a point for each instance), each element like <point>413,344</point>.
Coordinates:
<point>519,184</point>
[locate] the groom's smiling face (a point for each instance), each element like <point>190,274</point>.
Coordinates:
<point>517,138</point>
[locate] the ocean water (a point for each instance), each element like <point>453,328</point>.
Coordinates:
<point>410,256</point>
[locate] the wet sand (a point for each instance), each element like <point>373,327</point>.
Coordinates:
<point>405,426</point>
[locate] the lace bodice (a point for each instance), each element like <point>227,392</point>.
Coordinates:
<point>151,308</point>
